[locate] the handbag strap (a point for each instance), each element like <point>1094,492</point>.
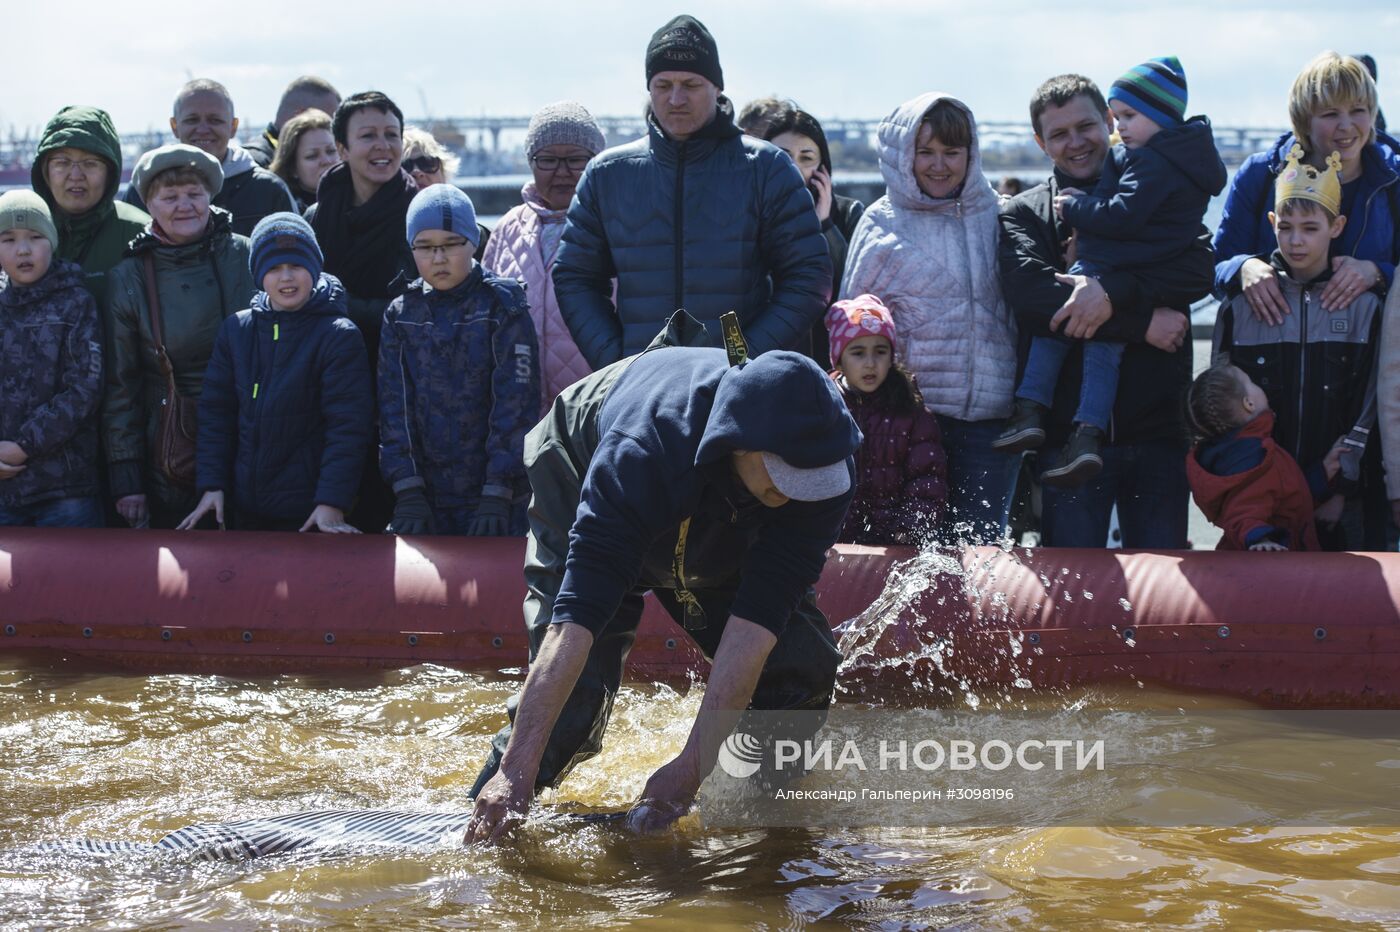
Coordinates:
<point>153,299</point>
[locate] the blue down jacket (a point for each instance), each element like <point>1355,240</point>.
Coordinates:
<point>720,222</point>
<point>459,386</point>
<point>286,416</point>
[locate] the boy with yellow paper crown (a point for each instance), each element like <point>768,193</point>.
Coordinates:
<point>1317,367</point>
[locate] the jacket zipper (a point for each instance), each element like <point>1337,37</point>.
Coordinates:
<point>1302,366</point>
<point>257,402</point>
<point>679,231</point>
<point>1366,213</point>
<point>972,315</point>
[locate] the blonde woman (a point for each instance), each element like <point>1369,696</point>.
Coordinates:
<point>1333,108</point>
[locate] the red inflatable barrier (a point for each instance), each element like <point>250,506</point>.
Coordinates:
<point>1303,630</point>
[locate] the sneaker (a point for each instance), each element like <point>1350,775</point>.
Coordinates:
<point>1082,459</point>
<point>1025,430</point>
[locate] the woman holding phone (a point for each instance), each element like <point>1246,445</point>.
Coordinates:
<point>800,135</point>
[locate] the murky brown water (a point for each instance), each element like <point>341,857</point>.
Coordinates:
<point>133,757</point>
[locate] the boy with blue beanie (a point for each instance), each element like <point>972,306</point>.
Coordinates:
<point>286,416</point>
<point>50,375</point>
<point>1146,210</point>
<point>459,382</point>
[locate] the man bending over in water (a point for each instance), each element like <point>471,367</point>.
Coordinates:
<point>718,488</point>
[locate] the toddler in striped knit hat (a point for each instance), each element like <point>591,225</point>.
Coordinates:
<point>1146,210</point>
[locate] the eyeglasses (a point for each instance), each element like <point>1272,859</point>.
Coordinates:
<point>63,165</point>
<point>424,252</point>
<point>550,163</point>
<point>426,164</point>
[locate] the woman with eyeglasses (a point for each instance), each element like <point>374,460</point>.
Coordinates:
<point>430,163</point>
<point>561,139</point>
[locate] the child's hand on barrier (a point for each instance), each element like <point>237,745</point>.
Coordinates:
<point>1268,545</point>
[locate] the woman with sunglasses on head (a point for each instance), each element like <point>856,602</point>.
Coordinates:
<point>430,163</point>
<point>562,137</point>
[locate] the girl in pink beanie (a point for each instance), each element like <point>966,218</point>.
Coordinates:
<point>901,469</point>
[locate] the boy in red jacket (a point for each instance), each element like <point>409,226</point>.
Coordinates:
<point>1242,480</point>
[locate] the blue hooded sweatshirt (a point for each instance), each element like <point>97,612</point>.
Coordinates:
<point>664,435</point>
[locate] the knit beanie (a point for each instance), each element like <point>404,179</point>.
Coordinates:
<point>861,316</point>
<point>684,44</point>
<point>177,155</point>
<point>564,123</point>
<point>442,207</point>
<point>1156,89</point>
<point>283,238</point>
<point>25,210</point>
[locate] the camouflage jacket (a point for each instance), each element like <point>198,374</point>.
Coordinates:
<point>50,385</point>
<point>459,386</point>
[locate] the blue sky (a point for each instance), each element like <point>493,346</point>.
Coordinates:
<point>837,58</point>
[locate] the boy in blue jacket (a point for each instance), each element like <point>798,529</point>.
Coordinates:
<point>459,382</point>
<point>1146,210</point>
<point>287,410</point>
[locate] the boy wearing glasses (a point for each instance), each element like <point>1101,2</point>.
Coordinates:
<point>458,382</point>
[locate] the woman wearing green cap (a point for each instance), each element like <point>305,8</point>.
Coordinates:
<point>199,269</point>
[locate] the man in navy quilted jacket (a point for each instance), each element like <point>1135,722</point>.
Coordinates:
<point>694,215</point>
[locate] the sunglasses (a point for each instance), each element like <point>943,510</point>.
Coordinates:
<point>426,164</point>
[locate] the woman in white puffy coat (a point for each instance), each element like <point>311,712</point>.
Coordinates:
<point>928,249</point>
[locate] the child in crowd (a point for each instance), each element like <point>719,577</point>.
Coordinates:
<point>1242,480</point>
<point>1318,367</point>
<point>901,469</point>
<point>287,410</point>
<point>459,382</point>
<point>1146,209</point>
<point>50,375</point>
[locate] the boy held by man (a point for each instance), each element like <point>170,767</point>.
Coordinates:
<point>50,375</point>
<point>1318,367</point>
<point>1146,210</point>
<point>286,415</point>
<point>459,382</point>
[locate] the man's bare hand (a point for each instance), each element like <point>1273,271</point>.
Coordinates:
<point>668,795</point>
<point>500,806</point>
<point>1168,329</point>
<point>1087,309</point>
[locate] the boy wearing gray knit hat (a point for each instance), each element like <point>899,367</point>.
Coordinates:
<point>50,375</point>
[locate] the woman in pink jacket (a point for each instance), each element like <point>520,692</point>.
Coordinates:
<point>561,139</point>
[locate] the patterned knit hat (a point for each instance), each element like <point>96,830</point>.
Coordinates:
<point>684,44</point>
<point>565,123</point>
<point>284,238</point>
<point>861,316</point>
<point>1156,89</point>
<point>442,207</point>
<point>25,210</point>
